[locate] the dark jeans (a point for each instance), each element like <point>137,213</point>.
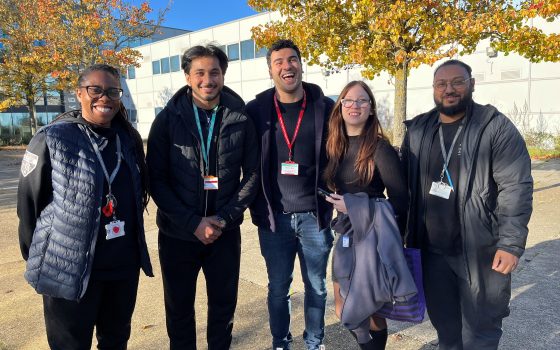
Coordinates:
<point>181,262</point>
<point>296,234</point>
<point>451,306</point>
<point>107,305</point>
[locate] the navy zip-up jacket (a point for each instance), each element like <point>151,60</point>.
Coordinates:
<point>59,206</point>
<point>261,111</point>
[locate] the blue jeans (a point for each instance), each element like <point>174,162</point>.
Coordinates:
<point>296,233</point>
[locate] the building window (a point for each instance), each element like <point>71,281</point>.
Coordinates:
<point>510,74</point>
<point>132,115</point>
<point>175,63</point>
<point>261,52</point>
<point>247,49</point>
<point>478,77</point>
<point>53,98</point>
<point>131,72</point>
<point>157,110</point>
<point>223,48</point>
<point>156,67</point>
<point>233,52</point>
<point>42,118</point>
<point>164,65</point>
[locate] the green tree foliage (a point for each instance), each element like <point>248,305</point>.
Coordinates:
<point>397,36</point>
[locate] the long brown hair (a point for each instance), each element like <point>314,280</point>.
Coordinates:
<point>337,140</point>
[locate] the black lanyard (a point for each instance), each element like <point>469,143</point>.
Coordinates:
<point>447,155</point>
<point>109,208</point>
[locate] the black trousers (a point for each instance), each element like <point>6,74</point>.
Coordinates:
<point>452,306</point>
<point>107,305</point>
<point>181,262</point>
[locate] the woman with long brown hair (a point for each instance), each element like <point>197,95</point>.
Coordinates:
<point>361,159</point>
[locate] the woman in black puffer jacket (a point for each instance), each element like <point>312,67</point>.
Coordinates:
<point>82,191</point>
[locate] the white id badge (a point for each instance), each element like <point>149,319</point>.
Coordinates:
<point>345,241</point>
<point>114,229</point>
<point>210,182</point>
<point>289,168</point>
<point>440,189</point>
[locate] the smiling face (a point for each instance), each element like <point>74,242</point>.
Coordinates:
<point>206,80</point>
<point>355,117</point>
<point>452,101</point>
<point>98,111</point>
<point>286,72</point>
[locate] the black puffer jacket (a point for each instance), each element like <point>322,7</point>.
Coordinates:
<point>495,196</point>
<point>175,165</point>
<point>59,206</point>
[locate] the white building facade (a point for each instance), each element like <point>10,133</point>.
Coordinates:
<point>527,92</point>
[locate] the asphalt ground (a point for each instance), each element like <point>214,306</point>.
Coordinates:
<point>534,322</point>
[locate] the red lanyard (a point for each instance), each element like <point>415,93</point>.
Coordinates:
<point>289,143</point>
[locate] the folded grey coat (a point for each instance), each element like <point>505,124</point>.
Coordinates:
<point>369,264</point>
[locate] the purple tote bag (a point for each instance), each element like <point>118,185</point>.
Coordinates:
<point>414,309</point>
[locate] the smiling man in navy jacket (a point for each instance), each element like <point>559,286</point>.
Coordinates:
<point>291,121</point>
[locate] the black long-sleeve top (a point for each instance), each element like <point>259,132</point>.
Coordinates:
<point>388,175</point>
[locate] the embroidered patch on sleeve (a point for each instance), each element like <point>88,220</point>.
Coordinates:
<point>28,163</point>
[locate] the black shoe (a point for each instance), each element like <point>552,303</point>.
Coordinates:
<point>377,342</point>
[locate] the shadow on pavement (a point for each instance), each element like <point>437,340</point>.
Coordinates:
<point>535,300</point>
<point>546,187</point>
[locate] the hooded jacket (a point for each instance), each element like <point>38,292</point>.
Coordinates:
<point>59,205</point>
<point>494,193</point>
<point>261,111</point>
<point>176,165</point>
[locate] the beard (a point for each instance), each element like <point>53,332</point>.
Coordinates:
<point>459,108</point>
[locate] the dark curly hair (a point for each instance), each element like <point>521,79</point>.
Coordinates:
<point>198,51</point>
<point>279,45</point>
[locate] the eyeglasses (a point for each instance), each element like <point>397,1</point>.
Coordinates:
<point>347,103</point>
<point>98,92</point>
<point>457,84</point>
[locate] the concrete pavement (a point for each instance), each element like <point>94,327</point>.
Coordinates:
<point>534,322</point>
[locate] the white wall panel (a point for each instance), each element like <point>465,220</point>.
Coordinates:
<point>227,33</point>
<point>202,37</point>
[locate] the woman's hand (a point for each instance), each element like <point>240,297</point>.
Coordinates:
<point>337,201</point>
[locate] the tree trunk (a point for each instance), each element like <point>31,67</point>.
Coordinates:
<point>401,76</point>
<point>32,113</point>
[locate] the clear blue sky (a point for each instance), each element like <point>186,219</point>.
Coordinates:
<point>199,14</point>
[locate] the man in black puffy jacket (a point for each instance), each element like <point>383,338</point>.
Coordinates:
<point>471,194</point>
<point>202,159</point>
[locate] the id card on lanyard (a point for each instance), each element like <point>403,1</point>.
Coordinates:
<point>115,228</point>
<point>440,188</point>
<point>290,167</point>
<point>210,181</point>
